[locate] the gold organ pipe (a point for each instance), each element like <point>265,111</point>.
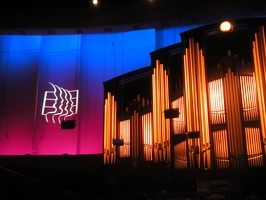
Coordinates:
<point>249,97</point>
<point>187,91</point>
<point>221,149</point>
<point>143,126</point>
<point>214,101</point>
<point>194,91</point>
<point>160,104</point>
<point>204,113</point>
<point>228,115</point>
<point>109,129</point>
<point>234,120</point>
<point>113,131</point>
<point>259,56</point>
<point>254,150</point>
<point>167,121</point>
<point>144,135</point>
<point>151,135</point>
<point>147,143</point>
<point>255,95</point>
<point>158,114</point>
<point>154,90</point>
<point>109,145</point>
<point>147,135</point>
<point>248,144</point>
<point>159,110</point>
<point>105,131</point>
<point>196,96</point>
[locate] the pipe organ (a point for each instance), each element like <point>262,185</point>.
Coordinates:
<point>216,81</point>
<point>259,54</point>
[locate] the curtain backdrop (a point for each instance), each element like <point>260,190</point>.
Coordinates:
<point>60,67</point>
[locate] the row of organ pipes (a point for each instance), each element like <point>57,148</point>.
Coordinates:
<point>230,101</point>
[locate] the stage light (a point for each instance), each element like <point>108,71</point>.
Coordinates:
<point>226,26</point>
<point>95,2</point>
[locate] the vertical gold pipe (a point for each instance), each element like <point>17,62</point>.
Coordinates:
<point>259,72</point>
<point>195,95</point>
<point>111,130</point>
<point>236,118</point>
<point>161,126</point>
<point>154,113</point>
<point>107,129</point>
<point>147,137</point>
<point>144,142</point>
<point>105,133</point>
<point>228,116</point>
<point>114,129</point>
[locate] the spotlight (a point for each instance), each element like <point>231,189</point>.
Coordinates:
<point>226,26</point>
<point>95,2</point>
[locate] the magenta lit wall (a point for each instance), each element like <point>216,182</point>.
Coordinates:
<point>57,66</point>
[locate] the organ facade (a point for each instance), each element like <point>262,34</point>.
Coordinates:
<point>201,104</point>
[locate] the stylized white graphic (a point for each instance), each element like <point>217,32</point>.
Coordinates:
<point>59,104</point>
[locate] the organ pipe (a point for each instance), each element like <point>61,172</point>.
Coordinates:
<point>125,135</point>
<point>216,96</point>
<point>233,116</point>
<point>254,150</point>
<point>161,126</point>
<point>147,136</point>
<point>249,97</point>
<point>220,143</point>
<point>110,112</point>
<point>259,56</point>
<point>196,102</point>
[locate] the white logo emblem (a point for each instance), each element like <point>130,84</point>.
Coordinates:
<point>59,104</point>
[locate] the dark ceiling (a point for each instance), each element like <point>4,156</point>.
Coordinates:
<point>81,13</point>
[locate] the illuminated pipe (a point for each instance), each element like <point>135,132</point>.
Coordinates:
<point>255,94</point>
<point>144,136</point>
<point>228,116</point>
<point>154,113</point>
<point>259,63</point>
<point>204,113</point>
<point>195,95</point>
<point>114,130</point>
<point>237,118</point>
<point>160,103</point>
<point>107,144</point>
<point>233,115</point>
<point>233,111</point>
<point>167,121</point>
<point>105,131</point>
